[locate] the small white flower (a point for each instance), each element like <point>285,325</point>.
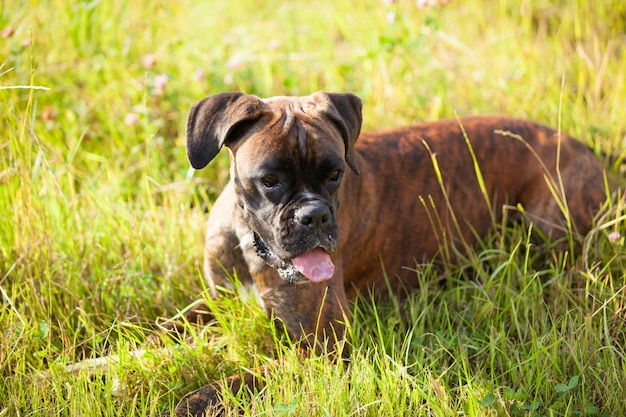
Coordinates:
<point>148,61</point>
<point>274,44</point>
<point>200,75</point>
<point>131,119</point>
<point>614,237</point>
<point>7,32</point>
<point>160,84</point>
<point>422,4</point>
<point>234,62</point>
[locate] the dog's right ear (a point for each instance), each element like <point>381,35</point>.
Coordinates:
<point>216,121</point>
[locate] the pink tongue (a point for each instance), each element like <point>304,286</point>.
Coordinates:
<point>315,265</point>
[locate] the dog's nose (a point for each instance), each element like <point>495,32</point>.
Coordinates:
<point>313,216</point>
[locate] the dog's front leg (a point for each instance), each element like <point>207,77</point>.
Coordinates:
<point>314,315</point>
<point>207,401</point>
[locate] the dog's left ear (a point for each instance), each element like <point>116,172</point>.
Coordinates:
<point>347,117</point>
<point>217,121</point>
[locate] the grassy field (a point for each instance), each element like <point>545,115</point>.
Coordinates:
<point>101,217</point>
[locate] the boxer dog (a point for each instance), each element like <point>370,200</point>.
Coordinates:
<point>316,212</point>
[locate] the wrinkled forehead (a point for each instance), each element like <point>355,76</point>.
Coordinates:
<point>294,127</point>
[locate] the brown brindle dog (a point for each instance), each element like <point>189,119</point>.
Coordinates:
<point>311,215</point>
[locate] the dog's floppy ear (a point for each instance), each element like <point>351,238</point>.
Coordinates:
<point>348,119</point>
<point>215,121</point>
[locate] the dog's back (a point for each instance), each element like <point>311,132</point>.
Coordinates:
<point>436,185</point>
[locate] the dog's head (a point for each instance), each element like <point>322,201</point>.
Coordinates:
<point>288,156</point>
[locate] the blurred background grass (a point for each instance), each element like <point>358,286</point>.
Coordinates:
<point>101,218</point>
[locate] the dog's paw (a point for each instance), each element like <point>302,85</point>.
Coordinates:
<point>205,402</point>
<point>208,402</point>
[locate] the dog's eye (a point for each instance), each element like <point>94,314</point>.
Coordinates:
<point>270,180</point>
<point>334,176</point>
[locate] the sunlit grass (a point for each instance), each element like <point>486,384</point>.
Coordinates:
<point>101,219</point>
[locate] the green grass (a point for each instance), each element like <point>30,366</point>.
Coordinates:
<point>101,221</point>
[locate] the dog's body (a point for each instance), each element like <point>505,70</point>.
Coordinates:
<point>311,216</point>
